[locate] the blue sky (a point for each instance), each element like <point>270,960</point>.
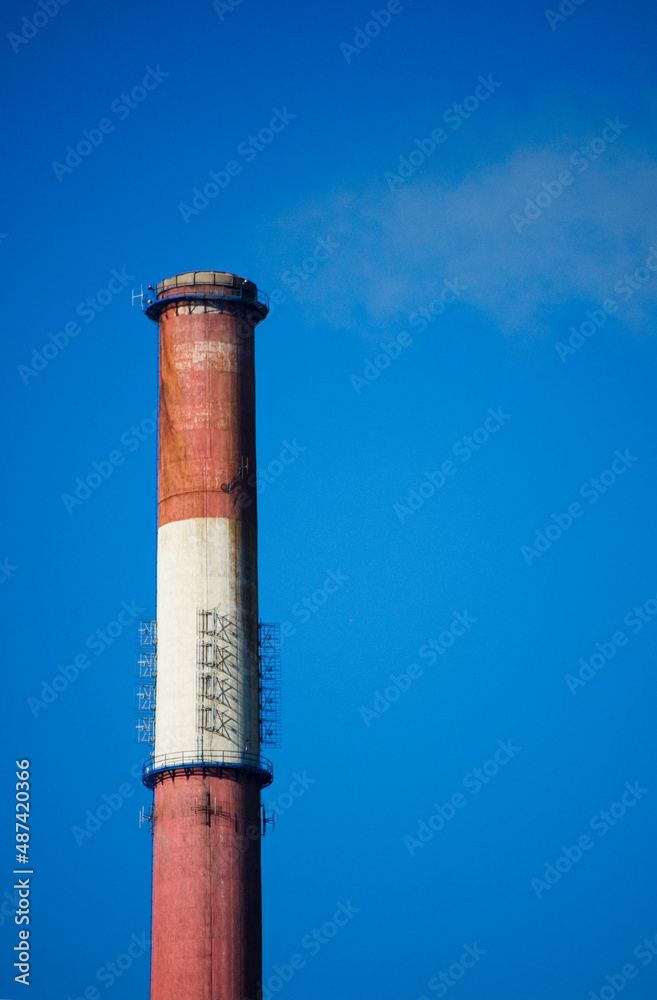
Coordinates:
<point>456,223</point>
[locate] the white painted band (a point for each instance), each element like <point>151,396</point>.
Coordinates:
<point>203,564</point>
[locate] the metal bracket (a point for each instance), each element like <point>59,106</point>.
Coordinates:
<point>268,819</point>
<point>240,474</point>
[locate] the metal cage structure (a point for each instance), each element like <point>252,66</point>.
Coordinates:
<point>217,676</point>
<point>269,647</point>
<point>145,680</point>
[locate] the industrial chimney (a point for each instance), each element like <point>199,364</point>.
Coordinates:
<point>206,770</point>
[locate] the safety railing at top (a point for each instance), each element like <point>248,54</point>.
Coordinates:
<point>152,305</point>
<point>220,758</point>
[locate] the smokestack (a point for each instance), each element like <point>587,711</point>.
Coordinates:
<point>206,770</point>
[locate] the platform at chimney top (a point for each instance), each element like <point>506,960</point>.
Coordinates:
<point>202,289</point>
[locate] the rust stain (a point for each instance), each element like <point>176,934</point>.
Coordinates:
<point>207,416</point>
